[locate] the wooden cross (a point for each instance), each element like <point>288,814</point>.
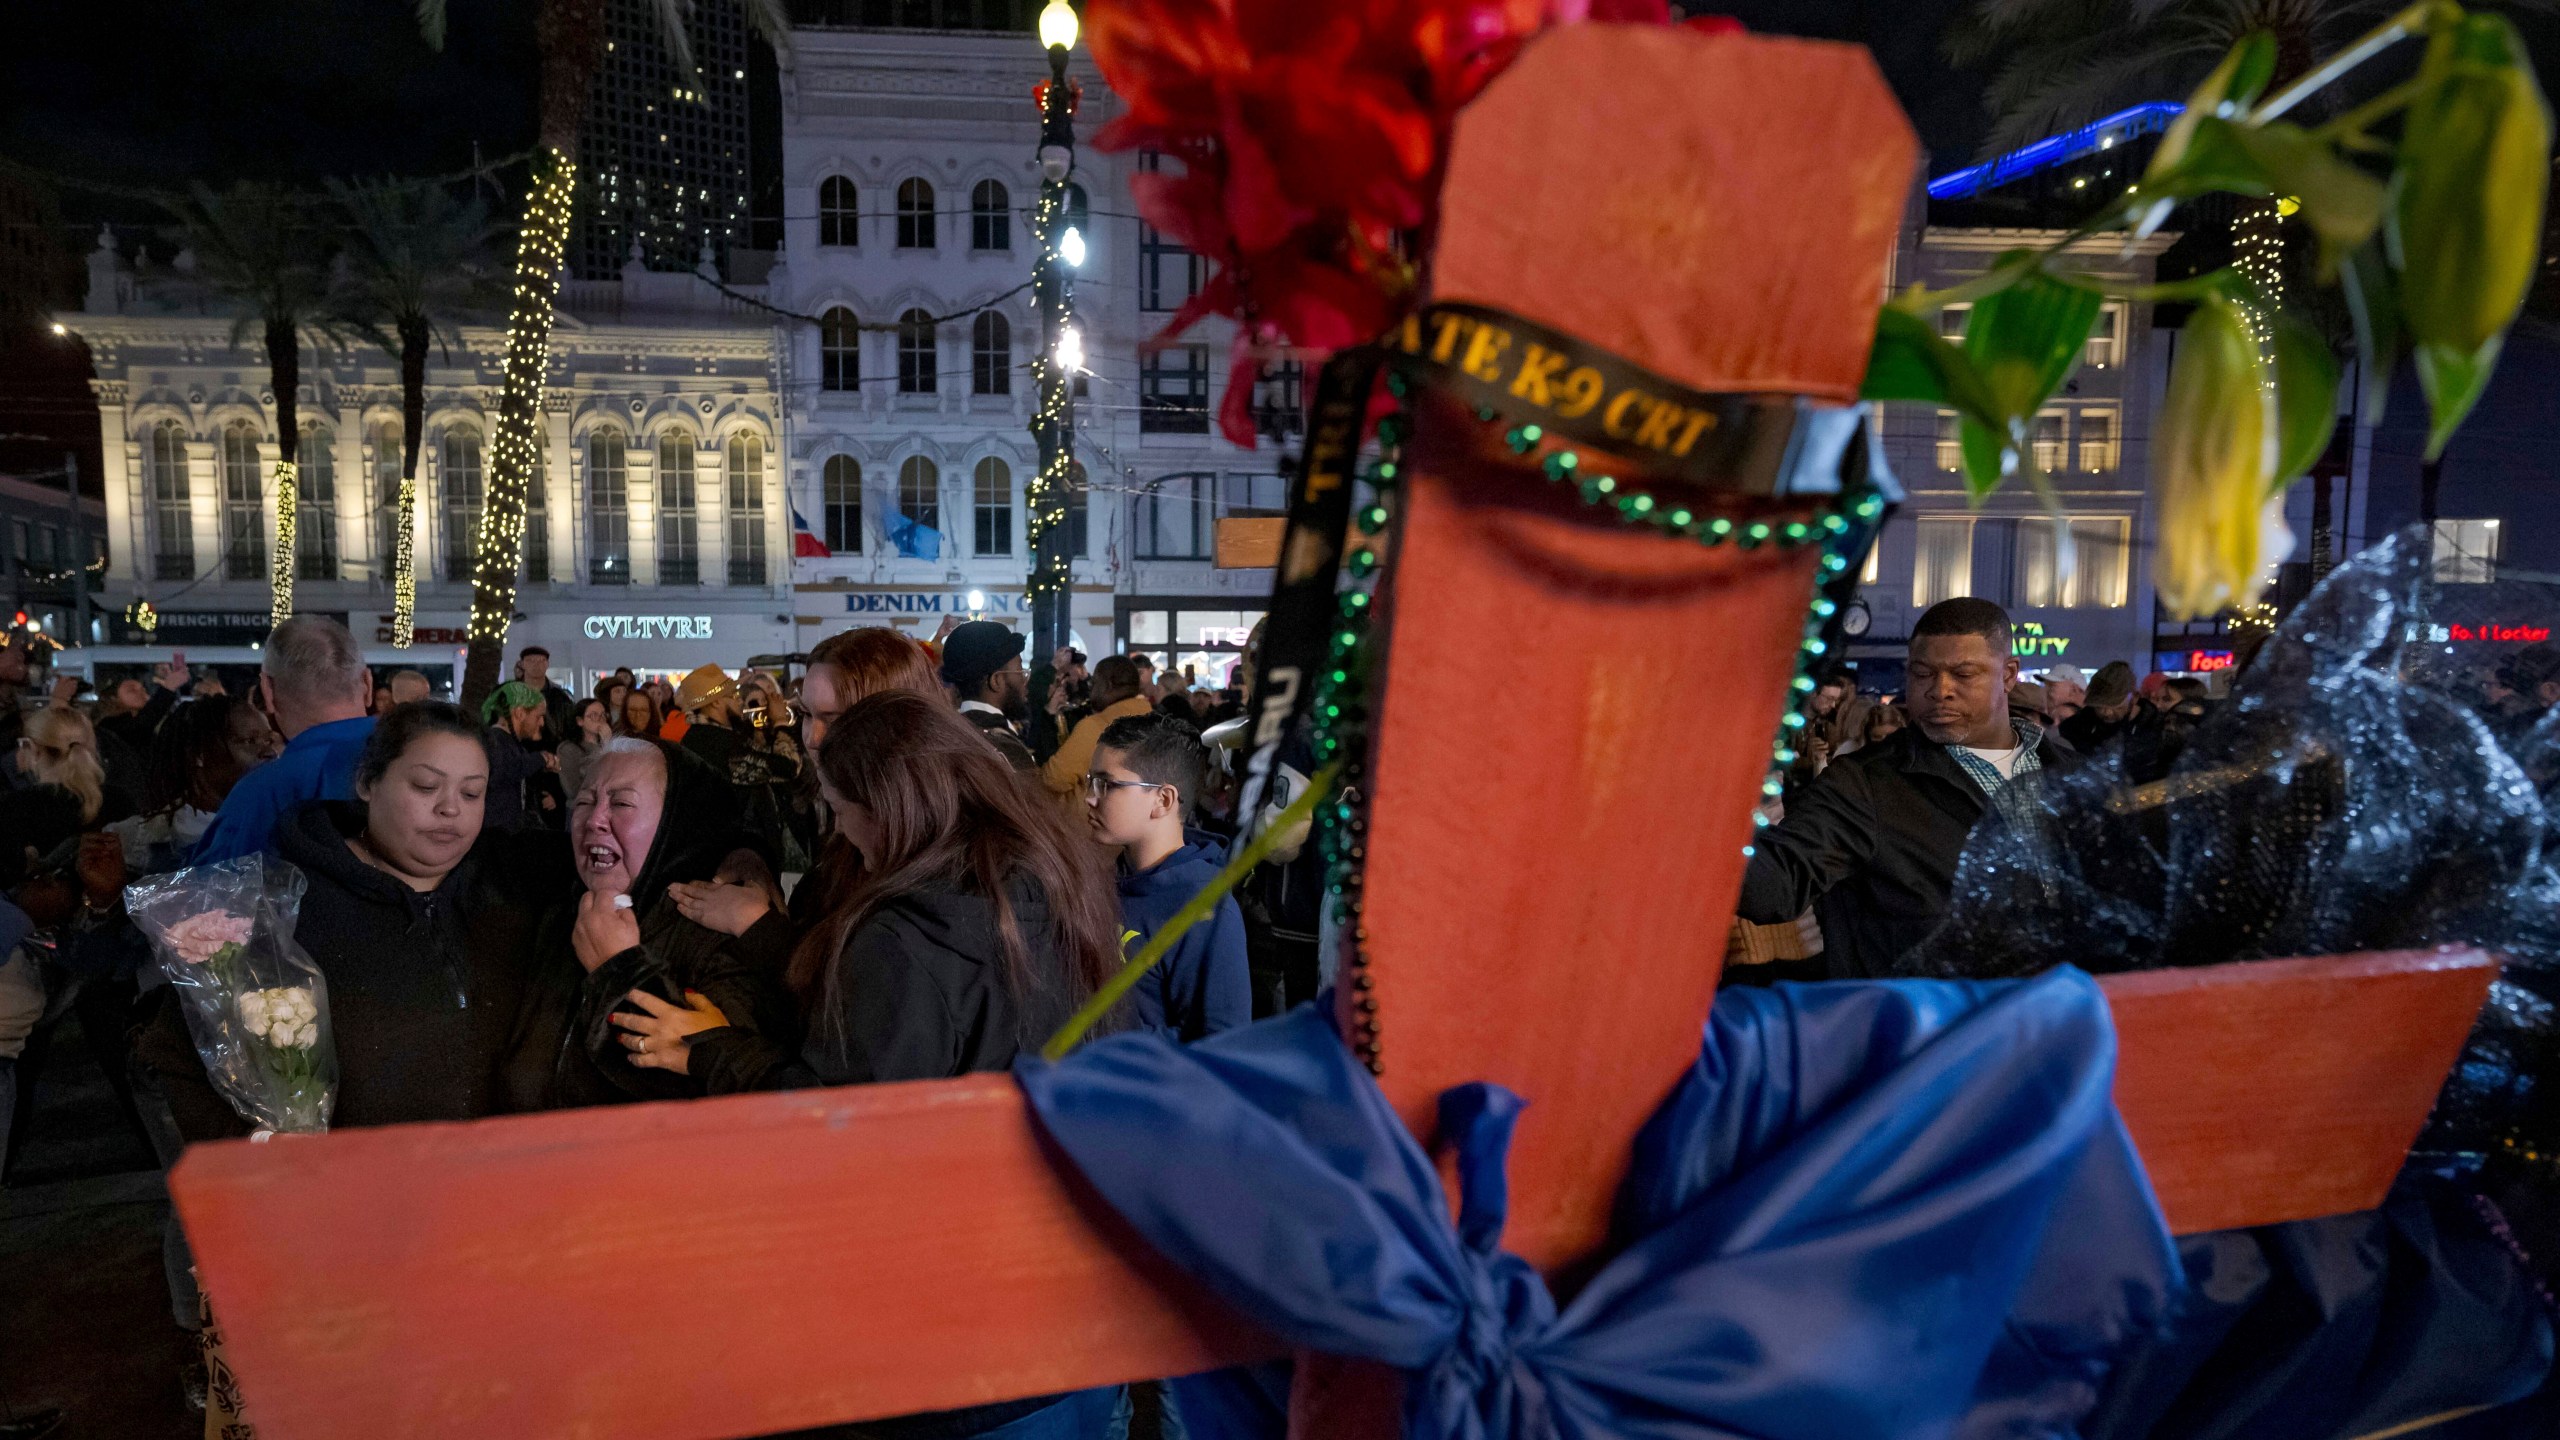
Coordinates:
<point>1554,853</point>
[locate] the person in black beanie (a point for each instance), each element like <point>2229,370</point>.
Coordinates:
<point>982,663</point>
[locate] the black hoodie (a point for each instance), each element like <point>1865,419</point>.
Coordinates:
<point>698,828</point>
<point>918,993</point>
<point>427,990</point>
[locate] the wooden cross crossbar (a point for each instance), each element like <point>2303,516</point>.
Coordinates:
<point>1553,861</point>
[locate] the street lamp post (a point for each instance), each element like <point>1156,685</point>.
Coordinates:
<point>1050,586</point>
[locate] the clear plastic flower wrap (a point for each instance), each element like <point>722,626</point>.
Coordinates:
<point>255,1004</point>
<point>2372,782</point>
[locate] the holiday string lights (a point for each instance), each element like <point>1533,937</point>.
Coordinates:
<point>2257,252</point>
<point>280,570</point>
<point>500,543</point>
<point>404,572</point>
<point>1052,426</point>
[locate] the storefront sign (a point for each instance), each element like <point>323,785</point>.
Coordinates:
<point>934,602</point>
<point>2205,662</point>
<point>2029,642</point>
<point>2492,633</point>
<point>647,627</point>
<point>421,634</point>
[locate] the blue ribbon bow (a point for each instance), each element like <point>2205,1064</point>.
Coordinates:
<point>1896,1208</point>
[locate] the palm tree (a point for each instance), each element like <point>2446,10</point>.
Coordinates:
<point>417,256</point>
<point>570,37</point>
<point>2059,64</point>
<point>263,248</point>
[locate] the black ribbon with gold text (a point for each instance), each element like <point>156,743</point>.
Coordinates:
<point>1749,445</point>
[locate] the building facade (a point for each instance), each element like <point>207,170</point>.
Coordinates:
<point>663,171</point>
<point>2074,575</point>
<point>906,369</point>
<point>658,534</point>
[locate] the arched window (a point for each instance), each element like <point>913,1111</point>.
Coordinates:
<point>244,515</point>
<point>916,332</point>
<point>315,523</point>
<point>915,214</point>
<point>164,466</point>
<point>386,439</point>
<point>537,518</point>
<point>839,351</point>
<point>838,214</point>
<point>462,491</point>
<point>679,550</point>
<point>991,496</point>
<point>991,354</point>
<point>608,510</point>
<point>990,216</point>
<point>746,510</point>
<point>843,504</point>
<point>920,495</point>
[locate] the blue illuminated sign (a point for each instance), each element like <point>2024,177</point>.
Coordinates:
<point>2055,150</point>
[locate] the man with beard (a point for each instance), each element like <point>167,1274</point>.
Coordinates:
<point>982,663</point>
<point>1871,845</point>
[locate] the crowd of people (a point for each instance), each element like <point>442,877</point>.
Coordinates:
<point>1858,860</point>
<point>907,860</point>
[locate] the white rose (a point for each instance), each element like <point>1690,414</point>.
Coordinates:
<point>307,1036</point>
<point>253,1008</point>
<point>281,1035</point>
<point>303,1007</point>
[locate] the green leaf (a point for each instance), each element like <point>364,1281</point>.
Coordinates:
<point>2453,380</point>
<point>2306,397</point>
<point>2234,85</point>
<point>2340,202</point>
<point>2216,159</point>
<point>2373,304</point>
<point>2027,339</point>
<point>2474,171</point>
<point>1988,458</point>
<point>1911,361</point>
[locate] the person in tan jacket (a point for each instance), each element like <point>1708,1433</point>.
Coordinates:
<point>1116,692</point>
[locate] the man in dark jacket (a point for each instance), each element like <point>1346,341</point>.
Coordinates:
<point>1872,844</point>
<point>982,663</point>
<point>1144,779</point>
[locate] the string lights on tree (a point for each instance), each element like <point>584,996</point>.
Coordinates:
<point>404,569</point>
<point>1044,592</point>
<point>2257,252</point>
<point>280,571</point>
<point>498,555</point>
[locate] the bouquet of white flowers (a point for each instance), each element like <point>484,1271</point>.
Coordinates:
<point>254,1002</point>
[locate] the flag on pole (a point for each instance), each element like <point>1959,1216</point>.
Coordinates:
<point>805,545</point>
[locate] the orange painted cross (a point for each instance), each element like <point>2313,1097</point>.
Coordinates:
<point>1552,866</point>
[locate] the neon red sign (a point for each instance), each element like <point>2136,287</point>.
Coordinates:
<point>2525,634</point>
<point>2204,661</point>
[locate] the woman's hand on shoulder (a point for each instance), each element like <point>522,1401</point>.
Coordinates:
<point>604,929</point>
<point>731,909</point>
<point>661,1038</point>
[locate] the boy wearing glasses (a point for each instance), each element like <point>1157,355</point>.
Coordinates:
<point>1147,771</point>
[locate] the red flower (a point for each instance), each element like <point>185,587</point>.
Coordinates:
<point>1309,133</point>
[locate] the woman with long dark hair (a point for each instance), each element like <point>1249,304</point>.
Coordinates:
<point>844,668</point>
<point>980,923</point>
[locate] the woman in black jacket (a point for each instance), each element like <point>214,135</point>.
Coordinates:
<point>428,931</point>
<point>980,924</point>
<point>650,817</point>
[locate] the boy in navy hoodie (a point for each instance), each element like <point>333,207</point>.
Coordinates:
<point>1146,772</point>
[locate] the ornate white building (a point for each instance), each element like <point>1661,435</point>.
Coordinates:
<point>909,183</point>
<point>660,534</point>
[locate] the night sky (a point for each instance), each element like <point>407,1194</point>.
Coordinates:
<point>158,92</point>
